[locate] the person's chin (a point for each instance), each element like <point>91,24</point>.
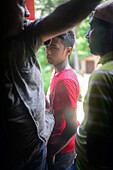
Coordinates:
<point>50,62</point>
<point>94,52</point>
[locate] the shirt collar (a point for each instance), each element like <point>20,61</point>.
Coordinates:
<point>107,57</point>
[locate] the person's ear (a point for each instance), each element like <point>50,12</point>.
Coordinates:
<point>69,50</point>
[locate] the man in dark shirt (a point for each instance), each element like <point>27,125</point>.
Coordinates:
<point>22,95</point>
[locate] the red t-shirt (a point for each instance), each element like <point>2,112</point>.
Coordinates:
<point>64,92</point>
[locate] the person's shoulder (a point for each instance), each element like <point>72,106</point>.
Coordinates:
<point>68,78</point>
<point>103,74</point>
<point>68,74</point>
<point>33,23</point>
<point>107,67</point>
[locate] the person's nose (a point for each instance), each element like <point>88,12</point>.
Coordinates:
<point>27,13</point>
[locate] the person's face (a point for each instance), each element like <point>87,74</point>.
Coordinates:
<point>56,53</point>
<point>16,17</point>
<point>96,37</point>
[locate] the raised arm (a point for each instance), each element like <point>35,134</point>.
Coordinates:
<point>65,17</point>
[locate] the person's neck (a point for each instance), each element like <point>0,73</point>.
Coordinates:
<point>106,49</point>
<point>61,66</point>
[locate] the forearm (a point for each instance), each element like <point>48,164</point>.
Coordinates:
<point>72,12</point>
<point>67,16</point>
<point>62,140</point>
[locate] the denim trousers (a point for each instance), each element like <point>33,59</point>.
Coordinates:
<point>63,162</point>
<point>37,162</point>
<point>72,167</point>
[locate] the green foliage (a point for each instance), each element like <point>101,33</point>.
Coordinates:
<point>82,42</point>
<point>46,74</point>
<point>45,68</point>
<point>41,56</point>
<point>45,7</point>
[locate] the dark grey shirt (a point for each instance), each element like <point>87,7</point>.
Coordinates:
<point>23,92</point>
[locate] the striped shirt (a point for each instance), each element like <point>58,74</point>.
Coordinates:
<point>98,109</point>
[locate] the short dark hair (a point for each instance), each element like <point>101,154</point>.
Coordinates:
<point>67,39</point>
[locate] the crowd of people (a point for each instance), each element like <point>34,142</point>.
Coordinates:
<point>24,145</point>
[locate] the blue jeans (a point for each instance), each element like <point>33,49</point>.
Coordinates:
<point>63,161</point>
<point>37,162</point>
<point>73,167</point>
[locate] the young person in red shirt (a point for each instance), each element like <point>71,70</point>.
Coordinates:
<point>64,92</point>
